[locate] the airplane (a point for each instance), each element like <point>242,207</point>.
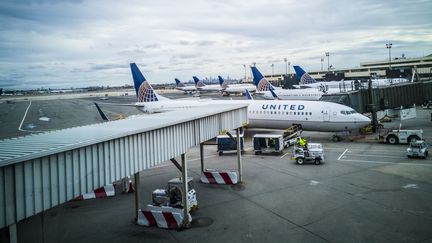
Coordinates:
<point>306,81</point>
<point>235,89</point>
<point>186,89</point>
<point>263,87</point>
<point>201,86</point>
<point>272,114</point>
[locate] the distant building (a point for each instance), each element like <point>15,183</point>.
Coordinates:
<point>399,67</point>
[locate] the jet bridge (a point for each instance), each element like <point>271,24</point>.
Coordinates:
<point>387,97</point>
<point>40,171</point>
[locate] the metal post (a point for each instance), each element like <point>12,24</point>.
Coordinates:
<point>185,191</point>
<point>389,46</point>
<point>13,233</point>
<point>289,63</point>
<point>286,66</point>
<point>202,156</point>
<point>239,163</point>
<point>244,65</point>
<point>328,60</point>
<point>137,194</point>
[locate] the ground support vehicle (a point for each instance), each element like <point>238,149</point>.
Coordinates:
<point>172,195</point>
<point>417,149</point>
<point>400,136</point>
<point>427,104</point>
<point>312,152</point>
<point>268,143</point>
<point>226,143</point>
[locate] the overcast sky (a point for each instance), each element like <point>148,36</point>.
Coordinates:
<point>53,43</point>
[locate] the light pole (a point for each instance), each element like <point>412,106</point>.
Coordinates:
<point>328,60</point>
<point>272,65</point>
<point>289,63</point>
<point>244,65</point>
<point>286,66</point>
<point>322,61</point>
<point>388,46</point>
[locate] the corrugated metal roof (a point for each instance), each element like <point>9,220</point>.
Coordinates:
<point>37,145</point>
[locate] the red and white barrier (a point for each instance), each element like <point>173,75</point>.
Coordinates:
<point>212,176</point>
<point>162,217</point>
<point>105,191</point>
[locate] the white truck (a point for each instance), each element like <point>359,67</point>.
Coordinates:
<point>401,136</point>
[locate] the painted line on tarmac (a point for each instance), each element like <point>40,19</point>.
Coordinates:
<point>206,157</point>
<point>346,150</point>
<point>375,155</point>
<point>382,162</point>
<point>285,155</point>
<point>25,114</point>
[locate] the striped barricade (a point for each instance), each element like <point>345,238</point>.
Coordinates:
<point>162,217</point>
<point>105,191</point>
<point>213,176</point>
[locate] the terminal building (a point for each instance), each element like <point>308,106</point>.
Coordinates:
<point>399,67</point>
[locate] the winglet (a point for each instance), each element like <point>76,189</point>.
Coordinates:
<point>248,95</point>
<point>101,113</point>
<point>303,76</point>
<point>274,94</point>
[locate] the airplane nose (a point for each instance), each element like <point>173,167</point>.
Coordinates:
<point>362,119</point>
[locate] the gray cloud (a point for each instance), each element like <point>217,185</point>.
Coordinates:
<point>92,42</point>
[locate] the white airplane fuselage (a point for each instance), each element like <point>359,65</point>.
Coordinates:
<point>240,88</point>
<point>296,94</point>
<point>280,114</point>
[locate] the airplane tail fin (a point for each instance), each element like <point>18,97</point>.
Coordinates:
<point>179,83</point>
<point>303,76</point>
<point>143,89</point>
<point>223,83</point>
<point>248,95</point>
<point>198,82</point>
<point>260,82</point>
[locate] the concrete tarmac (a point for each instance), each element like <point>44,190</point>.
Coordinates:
<point>365,191</point>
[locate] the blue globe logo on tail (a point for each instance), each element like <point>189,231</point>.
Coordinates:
<point>146,93</point>
<point>260,82</point>
<point>263,85</point>
<point>307,79</point>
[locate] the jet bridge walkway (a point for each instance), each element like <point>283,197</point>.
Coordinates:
<point>388,97</point>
